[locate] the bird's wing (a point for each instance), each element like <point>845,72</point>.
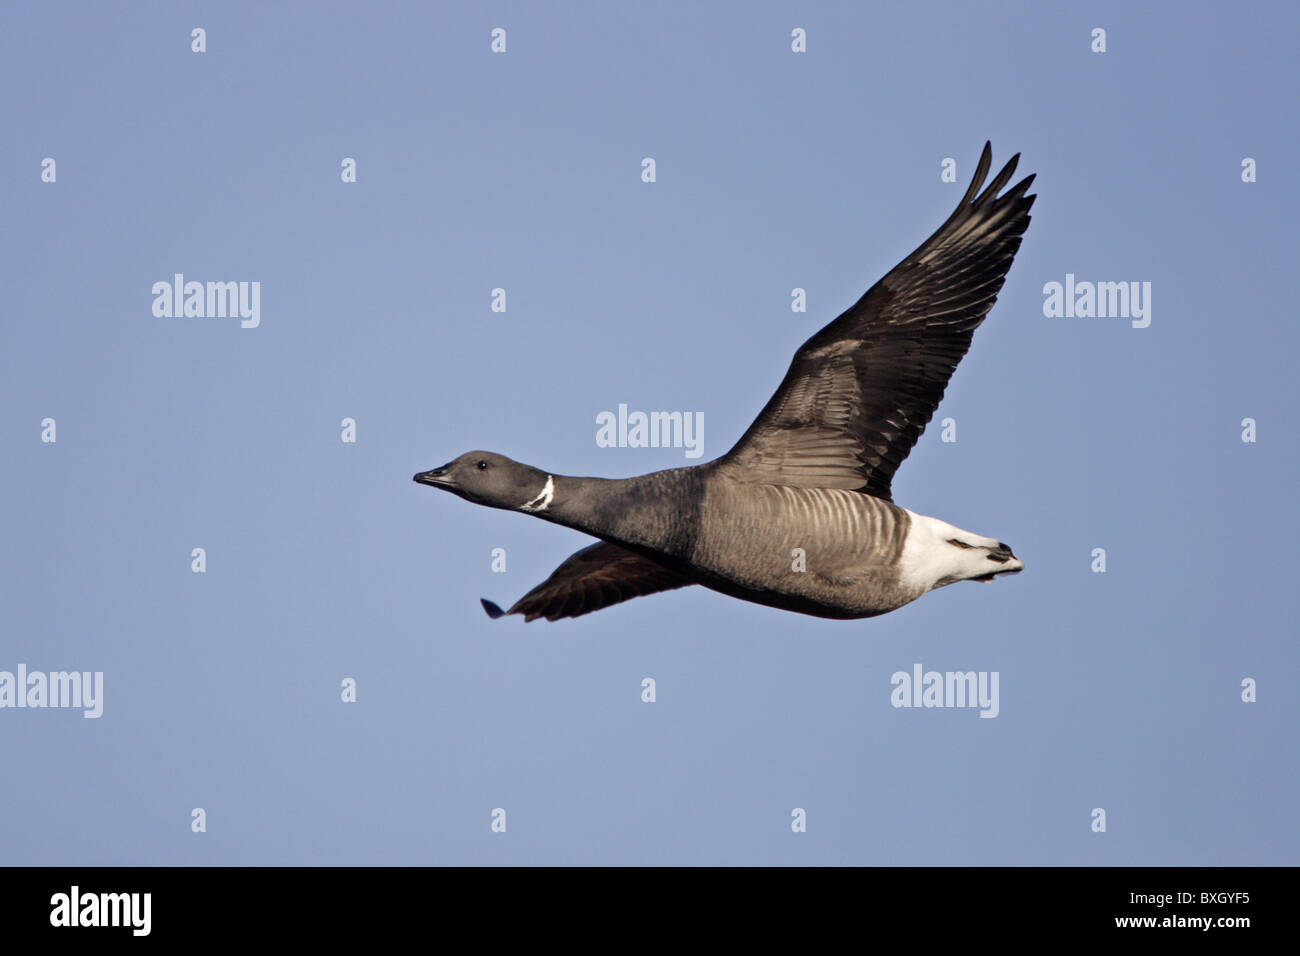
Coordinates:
<point>860,392</point>
<point>595,577</point>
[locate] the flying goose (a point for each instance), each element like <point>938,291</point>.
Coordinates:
<point>798,515</point>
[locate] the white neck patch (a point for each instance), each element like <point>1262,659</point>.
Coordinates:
<point>543,499</point>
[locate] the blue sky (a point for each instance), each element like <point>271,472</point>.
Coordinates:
<point>774,170</point>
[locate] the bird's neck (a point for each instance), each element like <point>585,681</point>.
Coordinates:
<point>659,511</point>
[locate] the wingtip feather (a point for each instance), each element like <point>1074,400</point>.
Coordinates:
<point>982,170</point>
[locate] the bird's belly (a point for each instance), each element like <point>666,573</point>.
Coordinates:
<point>820,551</point>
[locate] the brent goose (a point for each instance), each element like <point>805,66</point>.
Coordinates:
<point>798,515</point>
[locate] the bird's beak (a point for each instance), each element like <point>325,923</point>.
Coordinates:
<point>438,477</point>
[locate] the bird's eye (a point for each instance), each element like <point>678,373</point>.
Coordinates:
<point>482,465</point>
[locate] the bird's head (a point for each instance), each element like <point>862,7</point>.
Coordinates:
<point>493,480</point>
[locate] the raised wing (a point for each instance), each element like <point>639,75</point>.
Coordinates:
<point>595,577</point>
<point>860,392</point>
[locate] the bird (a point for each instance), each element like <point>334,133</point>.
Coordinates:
<point>799,514</point>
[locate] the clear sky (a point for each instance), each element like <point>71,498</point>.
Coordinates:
<point>522,170</point>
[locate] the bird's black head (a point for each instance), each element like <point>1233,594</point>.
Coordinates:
<point>493,480</point>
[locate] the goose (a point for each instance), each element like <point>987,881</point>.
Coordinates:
<point>798,515</point>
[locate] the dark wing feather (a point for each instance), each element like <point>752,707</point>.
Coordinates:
<point>860,392</point>
<point>593,578</point>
